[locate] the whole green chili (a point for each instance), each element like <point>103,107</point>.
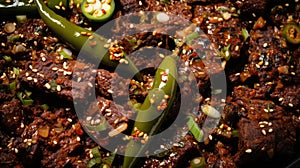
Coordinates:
<point>76,37</point>
<point>18,7</point>
<point>163,91</point>
<point>27,7</point>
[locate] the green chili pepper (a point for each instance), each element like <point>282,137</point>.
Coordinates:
<point>163,91</point>
<point>22,7</point>
<point>17,7</point>
<point>98,10</point>
<point>76,37</point>
<point>291,32</point>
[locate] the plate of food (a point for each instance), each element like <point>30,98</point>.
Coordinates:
<point>149,83</point>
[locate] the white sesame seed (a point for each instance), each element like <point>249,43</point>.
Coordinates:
<point>54,68</point>
<point>270,130</point>
<point>58,88</point>
<point>69,119</point>
<point>47,85</point>
<point>54,142</point>
<point>210,137</point>
<point>280,99</point>
<point>291,105</point>
<point>264,132</point>
<point>26,74</point>
<point>29,78</point>
<point>16,150</point>
<point>78,138</point>
<point>44,59</point>
<point>248,150</point>
<point>35,80</point>
<point>266,110</point>
<point>265,44</point>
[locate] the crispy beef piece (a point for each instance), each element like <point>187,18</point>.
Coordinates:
<point>114,113</point>
<point>11,115</point>
<point>53,139</point>
<point>257,7</point>
<point>288,96</point>
<point>9,159</point>
<point>220,24</point>
<point>111,84</point>
<point>221,157</point>
<point>268,60</point>
<point>130,6</point>
<point>178,156</point>
<point>51,74</point>
<point>262,140</point>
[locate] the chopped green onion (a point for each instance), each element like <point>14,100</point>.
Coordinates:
<point>12,86</point>
<point>165,1</point>
<point>45,107</point>
<point>245,34</point>
<point>20,95</point>
<point>189,38</point>
<point>16,71</point>
<point>195,129</point>
<point>198,162</point>
<point>7,58</point>
<point>225,52</point>
<point>66,53</point>
<point>271,106</point>
<point>96,153</point>
<point>101,127</point>
<point>27,102</point>
<point>21,18</point>
<point>13,38</point>
<point>235,133</point>
<point>109,160</point>
<point>93,162</point>
<point>210,111</point>
<point>28,93</point>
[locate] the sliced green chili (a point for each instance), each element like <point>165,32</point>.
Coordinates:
<point>291,32</point>
<point>98,10</point>
<point>198,162</point>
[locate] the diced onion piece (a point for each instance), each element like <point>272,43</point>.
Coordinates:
<point>44,131</point>
<point>210,111</point>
